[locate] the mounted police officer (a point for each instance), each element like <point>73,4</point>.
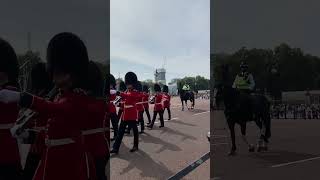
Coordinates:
<point>244,80</point>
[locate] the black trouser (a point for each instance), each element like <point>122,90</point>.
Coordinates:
<point>146,109</point>
<point>114,122</point>
<point>132,124</point>
<point>119,115</point>
<point>140,120</point>
<point>10,172</point>
<point>101,168</point>
<point>31,165</point>
<point>155,116</point>
<point>169,112</point>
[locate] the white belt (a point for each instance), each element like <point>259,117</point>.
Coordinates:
<point>58,142</point>
<point>94,131</point>
<point>6,126</point>
<point>129,106</point>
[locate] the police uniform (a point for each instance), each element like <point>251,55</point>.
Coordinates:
<point>158,107</point>
<point>129,116</point>
<point>10,167</point>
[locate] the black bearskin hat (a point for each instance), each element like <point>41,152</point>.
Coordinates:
<point>138,86</point>
<point>145,88</point>
<point>9,62</point>
<point>165,89</point>
<point>67,53</point>
<point>157,88</point>
<point>40,77</point>
<point>112,80</point>
<point>122,87</point>
<point>130,78</point>
<point>95,81</point>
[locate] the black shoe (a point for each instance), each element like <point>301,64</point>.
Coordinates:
<point>161,126</point>
<point>127,132</point>
<point>112,139</point>
<point>113,151</point>
<point>134,149</point>
<point>141,132</point>
<point>169,119</point>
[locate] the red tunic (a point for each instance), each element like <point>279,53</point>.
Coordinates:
<point>39,124</point>
<point>166,100</point>
<point>63,161</point>
<point>9,151</point>
<point>145,100</point>
<point>158,102</point>
<point>130,98</point>
<point>140,102</point>
<point>94,129</point>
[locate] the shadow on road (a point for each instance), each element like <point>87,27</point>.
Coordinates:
<point>147,138</point>
<point>171,131</point>
<point>180,122</point>
<point>142,161</point>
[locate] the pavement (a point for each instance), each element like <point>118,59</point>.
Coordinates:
<point>294,151</point>
<point>163,152</point>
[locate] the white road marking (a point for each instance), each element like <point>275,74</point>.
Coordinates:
<point>201,113</point>
<point>295,162</point>
<point>166,120</point>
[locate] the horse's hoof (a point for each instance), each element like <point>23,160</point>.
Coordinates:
<point>260,149</point>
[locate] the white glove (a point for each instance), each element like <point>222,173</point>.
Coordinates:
<point>9,96</point>
<point>112,91</point>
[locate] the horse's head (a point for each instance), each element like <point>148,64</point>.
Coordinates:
<point>225,94</point>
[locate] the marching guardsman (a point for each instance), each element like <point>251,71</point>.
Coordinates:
<point>112,107</point>
<point>146,102</point>
<point>129,116</point>
<point>166,100</point>
<point>64,156</point>
<point>158,108</point>
<point>96,143</point>
<point>10,167</point>
<point>40,86</point>
<point>122,88</point>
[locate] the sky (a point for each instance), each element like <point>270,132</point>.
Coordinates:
<point>44,18</point>
<point>146,32</point>
<point>265,24</point>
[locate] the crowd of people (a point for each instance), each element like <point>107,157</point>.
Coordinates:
<point>295,111</point>
<point>66,115</point>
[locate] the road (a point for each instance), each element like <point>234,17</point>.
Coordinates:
<point>166,151</point>
<point>294,152</point>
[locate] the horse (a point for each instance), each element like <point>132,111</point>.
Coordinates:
<point>185,96</point>
<point>241,108</point>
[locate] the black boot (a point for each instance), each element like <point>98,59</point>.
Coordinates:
<point>134,149</point>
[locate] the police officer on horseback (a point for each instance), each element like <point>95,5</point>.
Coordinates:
<point>244,80</point>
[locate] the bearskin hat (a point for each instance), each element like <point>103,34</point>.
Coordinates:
<point>138,86</point>
<point>157,88</point>
<point>67,53</point>
<point>145,88</point>
<point>94,80</point>
<point>130,78</point>
<point>40,77</point>
<point>112,80</point>
<point>122,86</point>
<point>9,62</point>
<point>165,89</point>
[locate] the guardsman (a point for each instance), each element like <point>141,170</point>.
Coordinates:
<point>129,116</point>
<point>122,88</point>
<point>94,130</point>
<point>166,100</point>
<point>146,102</point>
<point>10,167</point>
<point>158,108</point>
<point>64,156</point>
<point>112,107</point>
<point>40,86</point>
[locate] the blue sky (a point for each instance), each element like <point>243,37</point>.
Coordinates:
<point>145,32</point>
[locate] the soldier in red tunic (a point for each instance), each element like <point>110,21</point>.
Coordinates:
<point>40,86</point>
<point>94,130</point>
<point>112,107</point>
<point>130,115</point>
<point>166,100</point>
<point>64,156</point>
<point>158,108</point>
<point>146,102</point>
<point>122,88</point>
<point>10,167</point>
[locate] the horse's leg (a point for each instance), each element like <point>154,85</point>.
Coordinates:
<point>182,105</point>
<point>186,101</point>
<point>244,138</point>
<point>233,138</point>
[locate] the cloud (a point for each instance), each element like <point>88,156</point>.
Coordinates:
<point>148,31</point>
